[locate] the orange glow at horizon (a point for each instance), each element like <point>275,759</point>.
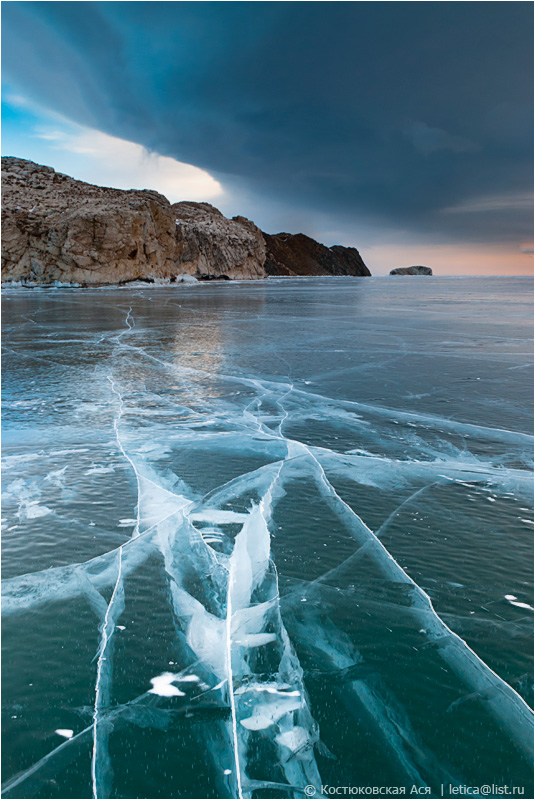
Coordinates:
<point>499,259</point>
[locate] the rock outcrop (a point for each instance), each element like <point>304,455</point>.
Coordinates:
<point>297,254</point>
<point>211,246</point>
<point>57,230</point>
<point>412,271</point>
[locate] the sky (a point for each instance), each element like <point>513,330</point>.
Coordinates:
<point>401,128</point>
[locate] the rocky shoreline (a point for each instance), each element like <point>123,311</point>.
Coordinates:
<point>57,231</point>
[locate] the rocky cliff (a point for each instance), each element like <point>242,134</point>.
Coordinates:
<point>210,246</point>
<point>297,254</point>
<point>55,228</point>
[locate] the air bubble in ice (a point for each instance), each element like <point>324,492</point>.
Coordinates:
<point>163,685</point>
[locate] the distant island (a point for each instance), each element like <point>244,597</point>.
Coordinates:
<point>60,231</point>
<point>412,271</point>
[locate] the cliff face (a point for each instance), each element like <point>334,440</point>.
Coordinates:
<point>297,254</point>
<point>211,246</point>
<point>55,228</point>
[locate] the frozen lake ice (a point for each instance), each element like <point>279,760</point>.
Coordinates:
<point>266,535</point>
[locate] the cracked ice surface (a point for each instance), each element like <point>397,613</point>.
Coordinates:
<point>257,537</point>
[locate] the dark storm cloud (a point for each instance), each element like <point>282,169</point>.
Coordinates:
<point>410,114</point>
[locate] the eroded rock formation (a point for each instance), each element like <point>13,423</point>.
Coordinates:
<point>57,229</point>
<point>211,246</point>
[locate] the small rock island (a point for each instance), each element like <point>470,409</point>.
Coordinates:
<point>412,271</point>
